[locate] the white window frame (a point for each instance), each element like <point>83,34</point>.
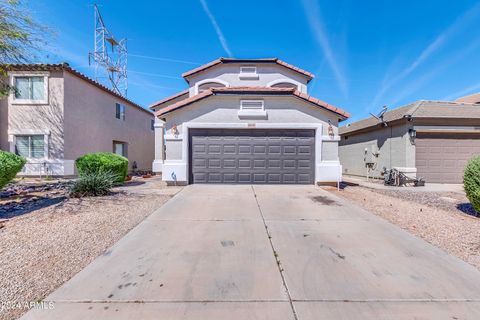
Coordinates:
<point>248,75</point>
<point>19,74</point>
<point>30,132</point>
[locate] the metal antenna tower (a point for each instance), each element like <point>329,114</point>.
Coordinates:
<point>109,57</point>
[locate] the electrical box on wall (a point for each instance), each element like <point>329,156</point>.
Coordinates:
<point>371,154</point>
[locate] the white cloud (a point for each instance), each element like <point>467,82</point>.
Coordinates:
<point>215,25</point>
<point>427,52</point>
<point>464,92</point>
<point>312,12</point>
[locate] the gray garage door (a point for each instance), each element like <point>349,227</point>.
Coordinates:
<point>441,158</point>
<point>252,156</point>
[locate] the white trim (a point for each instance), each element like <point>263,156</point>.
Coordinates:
<point>11,98</point>
<point>170,137</point>
<point>214,80</point>
<point>330,138</point>
<point>284,80</point>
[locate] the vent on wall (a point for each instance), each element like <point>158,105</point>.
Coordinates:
<point>252,105</point>
<point>248,73</point>
<point>248,70</point>
<point>252,109</point>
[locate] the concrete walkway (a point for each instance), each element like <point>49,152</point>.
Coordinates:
<point>268,252</point>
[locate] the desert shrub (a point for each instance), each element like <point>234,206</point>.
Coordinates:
<point>471,182</point>
<point>103,162</point>
<point>92,184</point>
<point>10,165</point>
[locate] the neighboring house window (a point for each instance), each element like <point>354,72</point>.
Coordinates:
<point>30,146</point>
<point>29,88</point>
<point>252,105</point>
<point>120,148</point>
<point>152,124</point>
<point>120,111</point>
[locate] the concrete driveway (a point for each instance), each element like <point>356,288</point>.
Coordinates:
<point>268,252</point>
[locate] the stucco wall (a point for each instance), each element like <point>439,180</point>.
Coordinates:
<point>91,125</point>
<point>43,117</point>
<point>4,124</point>
<point>224,109</point>
<point>266,73</point>
<point>393,144</point>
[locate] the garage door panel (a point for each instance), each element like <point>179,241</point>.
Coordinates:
<point>441,157</point>
<point>252,156</point>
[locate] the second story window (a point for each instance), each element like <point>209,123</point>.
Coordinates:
<point>120,111</point>
<point>152,124</point>
<point>29,88</point>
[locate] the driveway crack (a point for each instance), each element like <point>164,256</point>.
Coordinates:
<point>276,256</point>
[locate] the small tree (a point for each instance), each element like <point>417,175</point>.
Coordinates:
<point>471,182</point>
<point>10,165</point>
<point>20,38</point>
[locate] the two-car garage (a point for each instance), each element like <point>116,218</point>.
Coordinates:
<point>252,156</point>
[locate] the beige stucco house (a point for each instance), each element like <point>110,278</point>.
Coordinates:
<point>58,114</point>
<point>432,140</point>
<point>247,121</point>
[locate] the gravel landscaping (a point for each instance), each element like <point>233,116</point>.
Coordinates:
<point>445,219</point>
<point>44,248</point>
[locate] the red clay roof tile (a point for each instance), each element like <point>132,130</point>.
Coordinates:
<point>309,75</point>
<point>252,90</point>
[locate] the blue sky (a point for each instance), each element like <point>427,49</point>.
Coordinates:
<point>364,54</point>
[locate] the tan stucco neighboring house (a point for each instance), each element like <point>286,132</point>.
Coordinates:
<point>58,114</point>
<point>432,140</point>
<point>247,121</point>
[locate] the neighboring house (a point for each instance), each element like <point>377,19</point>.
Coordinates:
<point>428,139</point>
<point>58,114</point>
<point>247,121</point>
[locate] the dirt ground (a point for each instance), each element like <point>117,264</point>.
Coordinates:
<point>42,249</point>
<point>442,218</point>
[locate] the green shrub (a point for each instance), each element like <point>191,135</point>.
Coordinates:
<point>103,162</point>
<point>471,182</point>
<point>92,184</point>
<point>10,165</point>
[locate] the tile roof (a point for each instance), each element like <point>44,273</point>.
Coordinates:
<point>473,98</point>
<point>66,67</point>
<point>162,101</point>
<point>252,90</point>
<point>419,109</point>
<point>309,75</point>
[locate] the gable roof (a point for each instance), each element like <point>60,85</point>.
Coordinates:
<point>170,98</point>
<point>66,67</point>
<point>221,60</point>
<point>252,90</point>
<point>419,109</point>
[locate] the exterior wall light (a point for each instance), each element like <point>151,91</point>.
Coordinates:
<point>412,133</point>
